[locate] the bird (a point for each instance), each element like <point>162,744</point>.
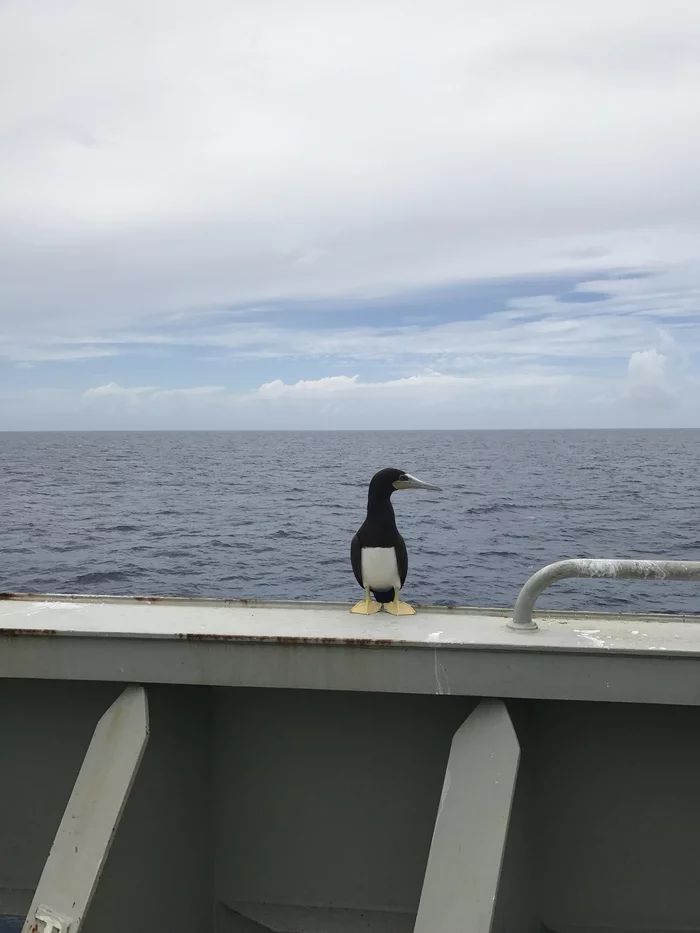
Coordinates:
<point>377,551</point>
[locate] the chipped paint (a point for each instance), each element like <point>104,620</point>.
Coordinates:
<point>442,681</point>
<point>611,569</point>
<point>590,635</point>
<point>48,606</point>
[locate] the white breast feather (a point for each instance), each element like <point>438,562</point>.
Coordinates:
<point>379,568</point>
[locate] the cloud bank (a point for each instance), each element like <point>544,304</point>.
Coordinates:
<point>267,206</point>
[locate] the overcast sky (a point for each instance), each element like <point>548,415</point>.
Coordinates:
<point>349,213</point>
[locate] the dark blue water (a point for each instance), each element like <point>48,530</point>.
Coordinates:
<point>272,514</point>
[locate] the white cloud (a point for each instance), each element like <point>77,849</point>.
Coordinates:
<point>30,347</point>
<point>113,390</point>
<point>492,396</point>
<point>429,381</point>
<point>647,381</point>
<point>427,399</point>
<point>350,399</point>
<point>280,149</point>
<point>636,312</point>
<point>192,392</point>
<point>305,387</point>
<point>283,150</point>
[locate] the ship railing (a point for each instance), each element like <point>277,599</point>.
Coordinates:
<point>480,778</point>
<point>598,569</point>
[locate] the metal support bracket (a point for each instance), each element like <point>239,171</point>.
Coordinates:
<point>522,620</point>
<point>466,853</point>
<point>82,842</point>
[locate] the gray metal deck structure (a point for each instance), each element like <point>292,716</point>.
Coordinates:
<point>239,766</point>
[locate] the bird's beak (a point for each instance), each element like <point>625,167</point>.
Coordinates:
<point>412,482</point>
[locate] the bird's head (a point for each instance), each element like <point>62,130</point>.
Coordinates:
<point>389,479</point>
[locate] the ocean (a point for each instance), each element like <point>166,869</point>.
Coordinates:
<point>271,515</point>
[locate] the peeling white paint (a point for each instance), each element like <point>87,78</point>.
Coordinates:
<point>602,567</point>
<point>34,609</point>
<point>442,682</point>
<point>434,636</point>
<point>590,635</point>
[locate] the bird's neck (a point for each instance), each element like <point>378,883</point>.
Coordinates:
<point>380,510</point>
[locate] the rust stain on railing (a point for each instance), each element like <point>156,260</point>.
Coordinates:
<point>16,632</point>
<point>288,639</point>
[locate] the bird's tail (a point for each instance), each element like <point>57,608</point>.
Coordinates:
<point>383,596</point>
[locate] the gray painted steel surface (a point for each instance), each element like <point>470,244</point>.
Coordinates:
<point>461,880</point>
<point>84,838</point>
<point>468,652</point>
<point>310,771</point>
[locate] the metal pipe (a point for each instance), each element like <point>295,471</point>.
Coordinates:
<point>522,620</point>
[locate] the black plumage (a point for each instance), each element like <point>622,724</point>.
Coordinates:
<point>379,529</point>
<point>384,550</point>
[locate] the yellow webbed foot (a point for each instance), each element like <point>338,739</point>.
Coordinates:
<point>366,607</point>
<point>399,609</point>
